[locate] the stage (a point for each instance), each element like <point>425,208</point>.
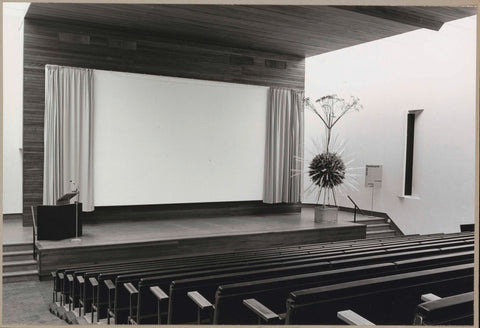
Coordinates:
<point>116,240</point>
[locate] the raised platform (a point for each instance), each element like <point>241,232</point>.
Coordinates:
<point>111,241</point>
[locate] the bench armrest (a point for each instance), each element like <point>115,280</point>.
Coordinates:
<point>429,297</point>
<point>353,318</point>
<point>161,296</point>
<point>70,291</point>
<point>130,288</point>
<point>159,293</point>
<point>201,301</point>
<point>110,287</point>
<point>109,284</point>
<point>133,292</point>
<point>262,312</point>
<point>93,281</point>
<point>81,281</point>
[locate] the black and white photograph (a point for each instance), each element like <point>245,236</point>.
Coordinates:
<point>240,163</point>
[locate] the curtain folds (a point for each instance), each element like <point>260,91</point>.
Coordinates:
<point>284,146</point>
<point>68,134</point>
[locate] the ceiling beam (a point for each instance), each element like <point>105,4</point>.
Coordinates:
<point>403,15</point>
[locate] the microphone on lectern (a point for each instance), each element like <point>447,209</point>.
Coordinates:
<point>76,187</point>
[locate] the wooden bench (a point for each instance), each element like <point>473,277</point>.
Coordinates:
<point>331,257</point>
<point>274,292</point>
<point>75,278</point>
<point>81,288</point>
<point>388,300</point>
<point>305,259</point>
<point>334,263</point>
<point>60,283</point>
<point>58,280</point>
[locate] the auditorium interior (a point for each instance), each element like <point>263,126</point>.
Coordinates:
<point>239,164</point>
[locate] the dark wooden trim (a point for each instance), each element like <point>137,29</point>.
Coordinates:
<point>16,216</point>
<point>404,15</point>
<point>184,210</point>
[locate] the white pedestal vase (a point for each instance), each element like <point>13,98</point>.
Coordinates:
<point>327,214</point>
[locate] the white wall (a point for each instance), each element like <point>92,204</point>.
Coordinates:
<point>429,70</point>
<point>12,106</point>
<point>171,140</point>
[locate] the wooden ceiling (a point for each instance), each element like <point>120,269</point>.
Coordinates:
<point>296,30</point>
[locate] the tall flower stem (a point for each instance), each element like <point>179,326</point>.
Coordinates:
<point>327,170</point>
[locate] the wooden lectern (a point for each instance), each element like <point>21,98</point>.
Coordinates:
<point>56,222</point>
<point>65,199</point>
<point>60,221</point>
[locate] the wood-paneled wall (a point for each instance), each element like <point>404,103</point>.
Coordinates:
<point>98,47</point>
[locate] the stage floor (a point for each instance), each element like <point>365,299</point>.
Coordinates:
<point>107,233</point>
<point>112,232</point>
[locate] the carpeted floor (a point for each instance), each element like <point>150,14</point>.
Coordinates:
<point>26,303</point>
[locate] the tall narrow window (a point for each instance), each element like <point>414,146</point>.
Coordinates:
<point>410,142</point>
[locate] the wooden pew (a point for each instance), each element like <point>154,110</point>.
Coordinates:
<point>121,297</point>
<point>60,283</point>
<point>274,292</point>
<point>309,258</point>
<point>178,304</point>
<point>74,290</point>
<point>340,256</point>
<point>287,250</point>
<point>65,286</point>
<point>385,300</point>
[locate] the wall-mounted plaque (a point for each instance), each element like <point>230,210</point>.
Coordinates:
<point>373,176</point>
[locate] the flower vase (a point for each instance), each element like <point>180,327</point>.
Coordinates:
<point>326,214</point>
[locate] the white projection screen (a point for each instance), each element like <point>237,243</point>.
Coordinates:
<point>163,140</point>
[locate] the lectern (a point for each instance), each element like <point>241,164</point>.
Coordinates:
<point>56,222</point>
<point>60,221</point>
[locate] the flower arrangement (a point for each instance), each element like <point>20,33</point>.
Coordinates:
<point>327,170</point>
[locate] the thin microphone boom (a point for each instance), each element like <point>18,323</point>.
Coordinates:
<point>76,239</point>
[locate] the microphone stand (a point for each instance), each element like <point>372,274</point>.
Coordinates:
<point>76,239</point>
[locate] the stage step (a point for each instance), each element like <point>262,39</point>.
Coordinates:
<point>19,266</point>
<point>15,247</point>
<point>377,227</point>
<point>20,276</point>
<point>370,220</point>
<point>18,256</point>
<point>381,233</point>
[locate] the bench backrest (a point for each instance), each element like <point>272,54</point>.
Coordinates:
<point>452,310</point>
